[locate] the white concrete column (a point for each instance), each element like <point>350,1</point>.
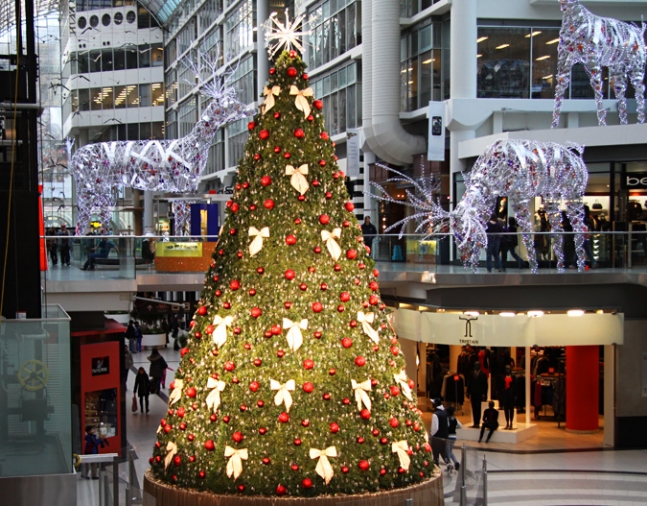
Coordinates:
<point>262,58</point>
<point>463,49</point>
<point>369,209</point>
<point>149,226</point>
<point>410,351</point>
<point>454,353</point>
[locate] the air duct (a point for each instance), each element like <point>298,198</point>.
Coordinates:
<point>383,131</point>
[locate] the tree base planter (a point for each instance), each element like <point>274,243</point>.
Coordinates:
<point>156,493</point>
<point>153,340</point>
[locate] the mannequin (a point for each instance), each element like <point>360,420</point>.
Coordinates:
<point>477,390</point>
<point>506,396</point>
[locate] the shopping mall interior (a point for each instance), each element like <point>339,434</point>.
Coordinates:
<point>172,181</point>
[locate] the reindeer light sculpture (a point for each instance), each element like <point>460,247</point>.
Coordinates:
<point>172,165</point>
<point>514,168</point>
<point>598,42</point>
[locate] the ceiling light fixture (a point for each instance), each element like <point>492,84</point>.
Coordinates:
<point>541,58</point>
<point>554,41</point>
<point>507,314</point>
<point>502,46</point>
<point>533,34</point>
<point>471,313</point>
<point>481,39</point>
<point>535,314</point>
<point>575,312</point>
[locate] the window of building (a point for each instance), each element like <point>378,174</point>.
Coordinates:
<point>342,97</point>
<point>157,55</point>
<point>243,80</point>
<point>107,60</point>
<point>212,45</point>
<point>410,8</point>
<point>187,116</point>
<point>170,131</point>
<point>186,36</point>
<point>335,28</point>
<point>105,20</point>
<point>186,78</point>
<point>94,21</point>
<point>119,59</point>
<point>238,134</point>
<point>131,16</point>
<point>239,27</point>
<point>119,18</point>
<point>170,81</point>
<point>131,57</point>
<point>144,55</point>
<point>143,18</point>
<point>83,60</point>
<point>95,60</point>
<point>84,100</point>
<point>216,160</point>
<point>170,53</point>
<point>208,14</point>
<point>82,22</point>
<point>145,99</point>
<point>421,67</point>
<point>157,94</point>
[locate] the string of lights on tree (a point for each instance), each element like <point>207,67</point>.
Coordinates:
<point>170,165</point>
<point>597,42</point>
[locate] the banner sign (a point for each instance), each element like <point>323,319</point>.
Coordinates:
<point>436,143</point>
<point>521,330</point>
<point>352,152</point>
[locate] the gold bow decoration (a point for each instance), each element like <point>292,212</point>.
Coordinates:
<point>171,450</point>
<point>294,337</point>
<point>402,449</point>
<point>213,399</point>
<point>298,177</point>
<point>324,469</point>
<point>220,332</point>
<point>301,101</point>
<point>283,394</point>
<point>366,319</point>
<point>269,97</point>
<point>402,379</point>
<point>330,239</point>
<point>258,235</point>
<point>360,393</point>
<point>235,463</point>
<point>176,394</point>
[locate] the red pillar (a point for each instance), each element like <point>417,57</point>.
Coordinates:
<point>582,388</point>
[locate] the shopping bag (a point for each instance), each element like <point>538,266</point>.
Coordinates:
<point>133,407</point>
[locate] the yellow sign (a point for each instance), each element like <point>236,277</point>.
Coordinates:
<point>178,249</point>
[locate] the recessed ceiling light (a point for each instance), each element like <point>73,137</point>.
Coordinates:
<point>502,46</point>
<point>481,39</point>
<point>471,313</point>
<point>554,41</point>
<point>542,58</point>
<point>479,55</point>
<point>575,312</point>
<point>533,34</point>
<point>535,314</point>
<point>507,314</point>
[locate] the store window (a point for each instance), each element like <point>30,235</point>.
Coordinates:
<point>239,27</point>
<point>101,412</point>
<point>421,67</point>
<point>342,97</point>
<point>335,28</point>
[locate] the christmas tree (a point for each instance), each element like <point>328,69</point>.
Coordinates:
<point>292,382</point>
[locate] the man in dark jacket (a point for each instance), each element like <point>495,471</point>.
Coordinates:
<point>368,231</point>
<point>439,432</point>
<point>477,390</point>
<point>493,229</point>
<point>156,370</point>
<point>490,421</point>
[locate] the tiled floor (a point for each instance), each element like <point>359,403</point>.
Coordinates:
<point>578,471</point>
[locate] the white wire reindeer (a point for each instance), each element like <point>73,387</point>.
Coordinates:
<point>598,42</point>
<point>517,169</point>
<point>171,165</point>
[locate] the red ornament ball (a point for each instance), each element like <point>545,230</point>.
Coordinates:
<point>284,417</point>
<point>395,391</point>
<point>191,392</point>
<point>290,240</point>
<point>326,396</point>
<point>257,156</point>
<point>298,133</point>
<point>234,284</point>
<point>272,71</point>
<point>266,460</point>
<point>344,296</point>
<point>393,422</point>
<point>347,342</point>
<point>364,465</point>
<point>322,163</point>
<point>241,488</point>
<point>351,254</point>
<point>328,195</point>
<point>346,401</point>
<point>365,414</point>
<point>277,115</point>
<point>324,219</point>
<point>266,180</point>
<point>281,490</point>
<point>360,361</point>
<point>349,206</point>
<point>306,483</point>
<point>297,442</point>
<point>262,431</point>
<point>305,423</point>
<point>289,274</point>
<point>260,270</point>
<point>209,445</point>
<point>318,104</point>
<point>264,135</point>
<point>268,204</point>
<point>317,307</point>
<point>308,387</point>
<point>334,428</point>
<point>237,436</point>
<point>324,136</point>
<point>229,366</point>
<point>308,363</point>
<point>202,310</point>
<point>251,125</point>
<point>254,386</point>
<point>317,249</point>
<point>256,312</point>
<point>277,149</point>
<point>286,155</point>
<point>382,472</point>
<point>292,72</point>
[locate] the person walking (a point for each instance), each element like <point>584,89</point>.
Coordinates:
<point>142,388</point>
<point>493,229</point>
<point>131,335</point>
<point>52,246</point>
<point>453,424</point>
<point>369,232</point>
<point>64,244</point>
<point>156,371</point>
<point>138,336</point>
<point>509,244</point>
<point>439,432</point>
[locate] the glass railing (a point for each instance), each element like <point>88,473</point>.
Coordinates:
<point>35,398</point>
<point>126,257</point>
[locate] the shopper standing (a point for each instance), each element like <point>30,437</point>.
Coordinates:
<point>156,371</point>
<point>51,245</point>
<point>139,336</point>
<point>142,388</point>
<point>368,231</point>
<point>439,431</point>
<point>453,424</point>
<point>131,335</point>
<point>64,244</point>
<point>493,229</point>
<point>92,444</point>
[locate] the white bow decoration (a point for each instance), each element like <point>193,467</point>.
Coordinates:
<point>176,394</point>
<point>235,464</point>
<point>213,399</point>
<point>294,337</point>
<point>220,332</point>
<point>269,97</point>
<point>283,394</point>
<point>402,448</point>
<point>258,235</point>
<point>324,469</point>
<point>360,393</point>
<point>171,450</point>
<point>366,319</point>
<point>331,243</point>
<point>301,102</point>
<point>402,379</point>
<point>298,177</point>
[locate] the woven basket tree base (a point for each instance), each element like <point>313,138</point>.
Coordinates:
<point>156,493</point>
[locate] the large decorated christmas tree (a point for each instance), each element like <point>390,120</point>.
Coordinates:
<point>292,382</point>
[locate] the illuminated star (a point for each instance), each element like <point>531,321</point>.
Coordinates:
<point>283,34</point>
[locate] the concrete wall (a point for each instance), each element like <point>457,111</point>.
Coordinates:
<point>629,399</point>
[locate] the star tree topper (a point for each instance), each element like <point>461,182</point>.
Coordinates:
<point>279,35</point>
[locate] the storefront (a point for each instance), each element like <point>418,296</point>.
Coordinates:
<point>561,363</point>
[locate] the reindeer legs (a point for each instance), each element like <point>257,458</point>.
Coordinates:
<point>575,213</point>
<point>619,81</point>
<point>523,219</point>
<point>563,78</point>
<point>557,236</point>
<point>595,73</point>
<point>637,78</point>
